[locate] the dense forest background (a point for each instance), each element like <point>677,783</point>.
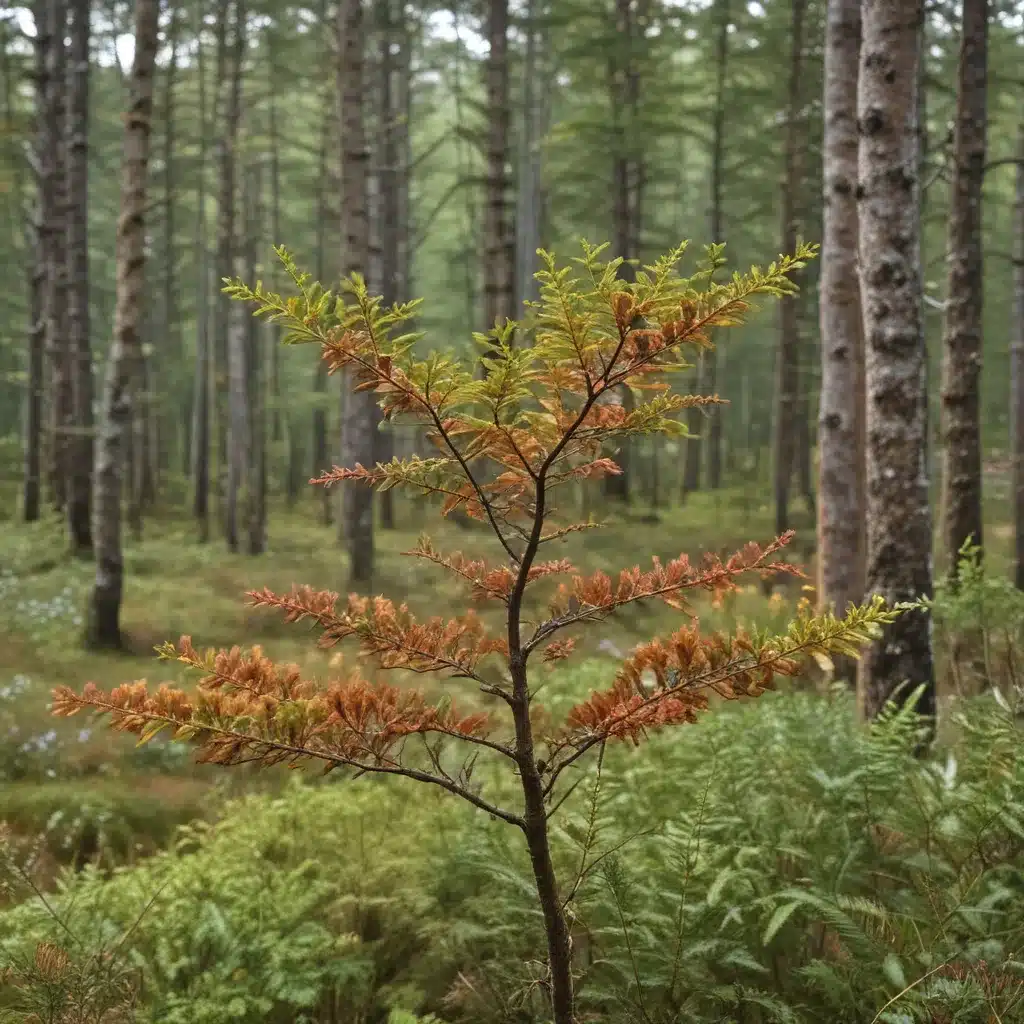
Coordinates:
<point>844,848</point>
<point>642,123</point>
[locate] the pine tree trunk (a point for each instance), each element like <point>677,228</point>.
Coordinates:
<point>391,37</point>
<point>899,538</point>
<point>260,338</point>
<point>230,109</point>
<point>961,366</point>
<point>276,429</point>
<point>841,408</point>
<point>1017,369</point>
<point>173,348</point>
<point>788,360</point>
<point>53,24</point>
<point>239,445</point>
<point>623,88</point>
<point>320,446</point>
<point>34,407</point>
<point>80,443</point>
<point>528,197</point>
<point>717,229</point>
<point>498,239</point>
<point>359,408</point>
<point>200,463</point>
<point>103,629</point>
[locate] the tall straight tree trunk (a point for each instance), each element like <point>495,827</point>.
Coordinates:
<point>239,441</point>
<point>53,25</point>
<point>34,407</point>
<point>841,409</point>
<point>229,108</point>
<point>899,537</point>
<point>320,445</point>
<point>623,87</point>
<point>200,462</point>
<point>124,357</point>
<point>717,232</point>
<point>499,241</point>
<point>706,424</point>
<point>359,408</point>
<point>172,350</point>
<point>258,338</point>
<point>961,364</point>
<point>222,255</point>
<point>529,195</point>
<point>391,37</point>
<point>1017,368</point>
<point>80,443</point>
<point>275,223</point>
<point>787,384</point>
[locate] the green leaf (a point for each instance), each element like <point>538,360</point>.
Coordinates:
<point>778,919</point>
<point>892,968</point>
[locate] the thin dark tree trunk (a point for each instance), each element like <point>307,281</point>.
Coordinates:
<point>899,539</point>
<point>961,367</point>
<point>222,257</point>
<point>172,350</point>
<point>841,409</point>
<point>320,446</point>
<point>200,463</point>
<point>230,111</point>
<point>624,87</point>
<point>103,629</point>
<point>275,225</point>
<point>528,199</point>
<point>717,230</point>
<point>252,335</point>
<point>359,408</point>
<point>34,408</point>
<point>53,24</point>
<point>80,443</point>
<point>1017,368</point>
<point>499,241</point>
<point>788,360</point>
<point>391,35</point>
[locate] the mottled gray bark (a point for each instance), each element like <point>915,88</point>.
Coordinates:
<point>80,441</point>
<point>1017,368</point>
<point>359,408</point>
<point>103,628</point>
<point>841,407</point>
<point>899,540</point>
<point>961,364</point>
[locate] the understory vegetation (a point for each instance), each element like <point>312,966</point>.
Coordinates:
<point>772,863</point>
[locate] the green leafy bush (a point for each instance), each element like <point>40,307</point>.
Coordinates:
<point>979,621</point>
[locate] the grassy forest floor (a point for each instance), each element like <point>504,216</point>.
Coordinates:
<point>96,794</point>
<point>784,865</point>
